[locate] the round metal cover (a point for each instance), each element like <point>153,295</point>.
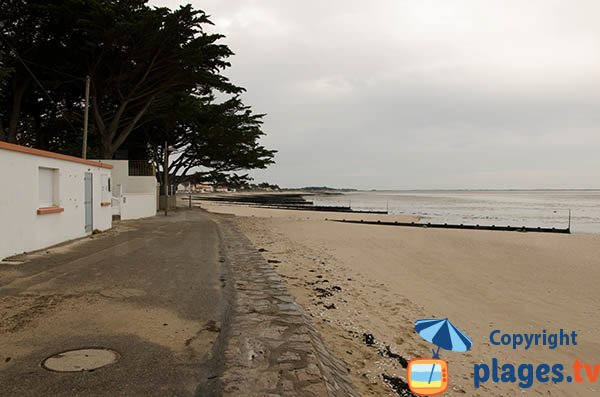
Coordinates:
<point>80,360</point>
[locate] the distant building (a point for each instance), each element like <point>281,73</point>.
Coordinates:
<point>204,187</point>
<point>182,188</point>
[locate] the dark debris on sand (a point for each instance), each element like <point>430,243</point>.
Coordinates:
<point>323,292</point>
<point>369,339</point>
<point>387,352</point>
<point>399,385</point>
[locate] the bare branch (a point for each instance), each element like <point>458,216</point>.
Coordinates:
<point>125,133</point>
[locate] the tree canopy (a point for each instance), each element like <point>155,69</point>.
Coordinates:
<point>154,72</point>
<point>212,139</point>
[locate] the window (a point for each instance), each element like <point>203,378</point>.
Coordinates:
<point>105,188</point>
<point>48,188</point>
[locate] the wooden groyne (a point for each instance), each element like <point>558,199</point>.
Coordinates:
<point>264,199</point>
<point>323,208</point>
<point>460,226</point>
<point>290,201</point>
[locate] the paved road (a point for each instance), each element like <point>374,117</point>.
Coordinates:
<point>151,290</point>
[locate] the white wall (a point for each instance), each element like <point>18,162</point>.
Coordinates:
<point>120,172</point>
<point>21,228</point>
<point>141,184</point>
<point>138,193</point>
<point>138,205</point>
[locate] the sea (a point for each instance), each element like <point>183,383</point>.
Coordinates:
<point>531,208</point>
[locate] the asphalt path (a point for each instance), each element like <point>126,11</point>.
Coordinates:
<point>152,290</point>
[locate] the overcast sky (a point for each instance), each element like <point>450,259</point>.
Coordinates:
<point>420,94</point>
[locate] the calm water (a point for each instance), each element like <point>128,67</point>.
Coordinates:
<point>501,208</point>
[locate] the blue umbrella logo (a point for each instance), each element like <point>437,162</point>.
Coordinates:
<point>443,334</point>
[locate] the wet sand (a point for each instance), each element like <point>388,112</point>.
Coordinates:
<point>356,279</point>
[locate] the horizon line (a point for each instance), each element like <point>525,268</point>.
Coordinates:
<point>441,189</point>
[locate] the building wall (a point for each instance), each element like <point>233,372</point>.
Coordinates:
<point>141,184</point>
<point>137,193</point>
<point>138,205</point>
<point>120,173</point>
<point>22,229</point>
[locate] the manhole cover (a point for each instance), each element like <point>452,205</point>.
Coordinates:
<point>80,360</point>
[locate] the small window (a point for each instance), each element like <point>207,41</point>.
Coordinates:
<point>48,188</point>
<point>105,188</point>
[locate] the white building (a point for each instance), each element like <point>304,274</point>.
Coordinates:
<point>135,193</point>
<point>188,187</point>
<point>48,198</point>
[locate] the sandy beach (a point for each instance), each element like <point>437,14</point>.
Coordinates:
<point>368,279</point>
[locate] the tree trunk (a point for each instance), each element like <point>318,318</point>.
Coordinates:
<point>18,92</point>
<point>107,151</point>
<point>2,131</point>
<point>114,135</point>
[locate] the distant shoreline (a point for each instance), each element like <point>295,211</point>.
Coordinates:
<point>450,190</point>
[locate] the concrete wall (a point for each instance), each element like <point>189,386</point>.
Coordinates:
<point>22,228</point>
<point>138,205</point>
<point>120,173</point>
<point>137,193</point>
<point>141,184</point>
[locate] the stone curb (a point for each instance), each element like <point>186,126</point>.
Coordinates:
<point>272,348</point>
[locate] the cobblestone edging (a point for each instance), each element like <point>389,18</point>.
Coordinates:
<point>272,348</point>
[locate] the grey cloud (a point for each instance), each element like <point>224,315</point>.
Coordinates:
<point>420,93</point>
